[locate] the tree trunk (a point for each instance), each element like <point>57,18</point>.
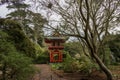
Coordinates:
<point>103,67</point>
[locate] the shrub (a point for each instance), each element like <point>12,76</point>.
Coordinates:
<point>18,38</point>
<point>13,65</point>
<point>86,65</point>
<point>17,66</point>
<point>42,58</point>
<point>71,64</point>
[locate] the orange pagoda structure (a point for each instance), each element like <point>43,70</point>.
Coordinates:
<point>55,46</point>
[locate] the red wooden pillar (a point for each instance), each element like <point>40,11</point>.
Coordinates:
<point>55,48</point>
<point>51,56</point>
<point>60,57</point>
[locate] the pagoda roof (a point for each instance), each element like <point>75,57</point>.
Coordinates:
<point>52,39</point>
<point>55,38</point>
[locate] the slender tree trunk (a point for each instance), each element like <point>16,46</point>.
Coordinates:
<point>103,67</point>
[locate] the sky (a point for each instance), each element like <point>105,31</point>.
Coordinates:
<point>4,10</point>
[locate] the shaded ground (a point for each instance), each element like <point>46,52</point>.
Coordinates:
<point>116,72</point>
<point>45,72</point>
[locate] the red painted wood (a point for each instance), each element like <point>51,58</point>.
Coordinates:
<point>55,48</point>
<point>52,58</point>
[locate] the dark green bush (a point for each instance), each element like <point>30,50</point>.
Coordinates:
<point>18,38</point>
<point>86,65</point>
<point>42,58</point>
<point>13,65</point>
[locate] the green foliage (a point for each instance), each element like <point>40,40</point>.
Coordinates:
<point>73,48</point>
<point>38,22</point>
<point>16,13</point>
<point>113,42</point>
<point>57,66</point>
<point>71,64</point>
<point>107,55</point>
<point>42,58</point>
<point>14,66</point>
<point>7,24</point>
<point>3,36</point>
<point>41,53</point>
<point>39,50</point>
<point>17,37</point>
<point>18,66</point>
<point>75,60</point>
<point>86,65</point>
<point>110,52</point>
<point>27,18</point>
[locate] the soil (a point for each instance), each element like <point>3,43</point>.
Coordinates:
<point>44,72</point>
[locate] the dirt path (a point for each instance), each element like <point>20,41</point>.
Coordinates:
<point>44,72</point>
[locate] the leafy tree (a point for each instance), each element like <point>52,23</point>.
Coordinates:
<point>20,12</point>
<point>17,36</point>
<point>38,22</point>
<point>13,64</point>
<point>31,23</point>
<point>88,20</point>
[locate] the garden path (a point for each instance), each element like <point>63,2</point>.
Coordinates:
<point>44,72</point>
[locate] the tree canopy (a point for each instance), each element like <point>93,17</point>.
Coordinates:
<point>17,37</point>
